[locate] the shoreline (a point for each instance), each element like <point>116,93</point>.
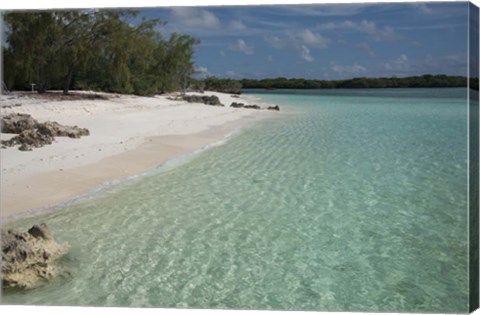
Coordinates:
<point>43,184</point>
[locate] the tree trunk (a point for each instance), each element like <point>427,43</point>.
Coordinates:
<point>67,80</point>
<point>42,84</point>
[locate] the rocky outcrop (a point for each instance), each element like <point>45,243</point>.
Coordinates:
<point>29,139</point>
<point>237,105</point>
<point>57,130</point>
<point>30,258</point>
<point>207,100</point>
<point>241,105</point>
<point>32,134</point>
<point>16,123</point>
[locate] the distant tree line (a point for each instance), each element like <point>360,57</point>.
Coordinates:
<point>223,85</point>
<point>235,86</point>
<point>405,82</point>
<point>94,49</point>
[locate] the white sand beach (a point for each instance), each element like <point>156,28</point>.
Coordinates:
<point>128,135</point>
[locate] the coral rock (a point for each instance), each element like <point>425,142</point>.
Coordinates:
<point>273,108</point>
<point>30,258</point>
<point>32,134</point>
<point>237,105</point>
<point>207,100</point>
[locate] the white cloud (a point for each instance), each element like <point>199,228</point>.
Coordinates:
<point>365,47</point>
<point>399,65</point>
<point>241,46</point>
<point>277,42</point>
<point>195,17</point>
<point>202,72</point>
<point>422,8</point>
<point>348,69</point>
<point>298,39</point>
<point>328,26</point>
<point>307,37</point>
<point>237,26</point>
<point>454,64</point>
<point>386,33</point>
<point>302,41</point>
<point>305,54</point>
<point>336,9</point>
<point>232,74</point>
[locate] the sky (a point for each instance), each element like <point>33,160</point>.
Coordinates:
<point>323,41</point>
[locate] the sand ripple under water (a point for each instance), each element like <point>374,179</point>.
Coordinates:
<point>351,203</point>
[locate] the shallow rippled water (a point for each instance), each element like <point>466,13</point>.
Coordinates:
<point>355,201</point>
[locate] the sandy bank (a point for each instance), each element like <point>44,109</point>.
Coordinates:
<point>128,135</point>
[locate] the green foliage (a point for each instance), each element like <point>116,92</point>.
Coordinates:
<point>417,81</point>
<point>197,85</point>
<point>94,49</point>
<point>223,85</point>
<point>177,62</point>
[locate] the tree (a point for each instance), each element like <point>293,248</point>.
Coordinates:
<point>179,59</point>
<point>31,43</point>
<point>100,49</point>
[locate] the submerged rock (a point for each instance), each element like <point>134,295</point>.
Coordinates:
<point>30,258</point>
<point>207,100</point>
<point>32,134</point>
<point>252,106</point>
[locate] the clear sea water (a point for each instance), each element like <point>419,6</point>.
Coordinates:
<point>355,200</point>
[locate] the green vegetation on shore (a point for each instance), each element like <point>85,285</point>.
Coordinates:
<point>106,50</point>
<point>236,86</point>
<point>406,82</point>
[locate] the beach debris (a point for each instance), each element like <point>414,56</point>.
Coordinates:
<point>207,100</point>
<point>273,108</point>
<point>32,134</point>
<point>30,258</point>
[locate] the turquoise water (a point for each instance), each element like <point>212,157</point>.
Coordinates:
<point>356,200</point>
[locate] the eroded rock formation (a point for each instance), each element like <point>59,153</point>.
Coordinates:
<point>16,123</point>
<point>208,100</point>
<point>30,258</point>
<point>237,105</point>
<point>241,105</point>
<point>32,134</point>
